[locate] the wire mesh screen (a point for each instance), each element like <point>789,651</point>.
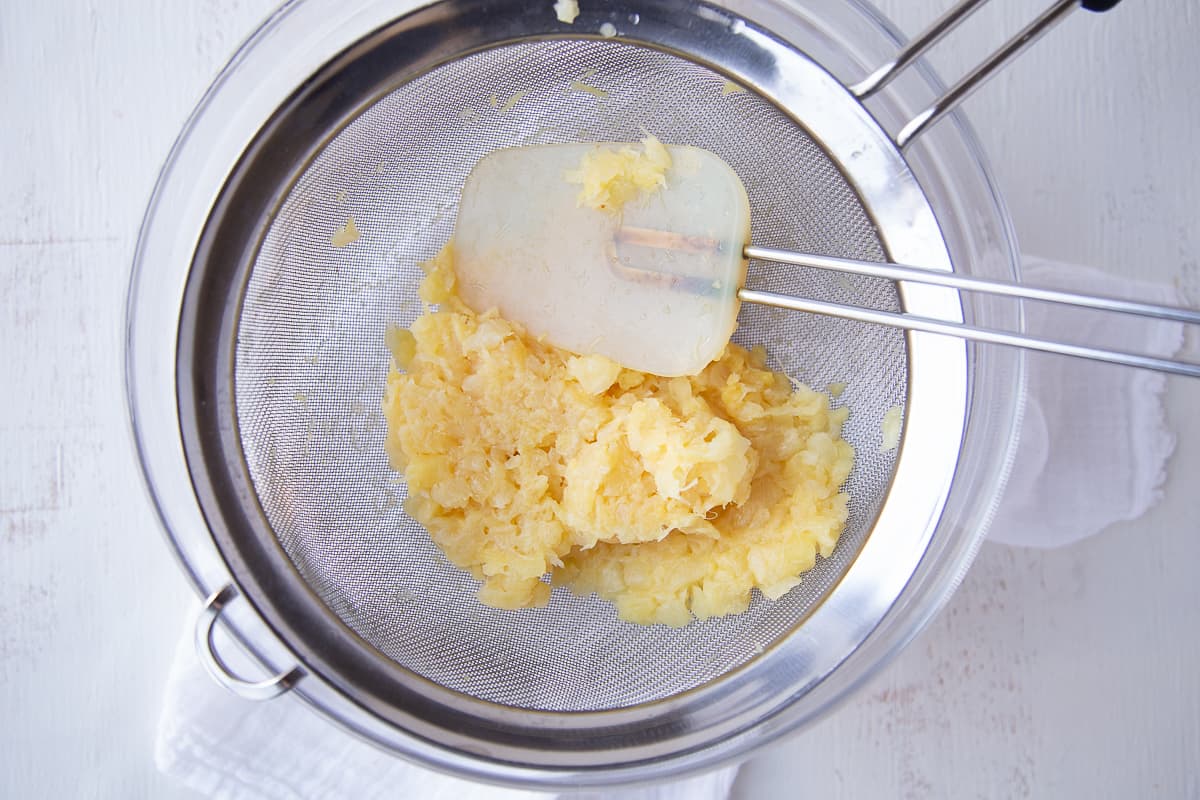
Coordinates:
<point>311,362</point>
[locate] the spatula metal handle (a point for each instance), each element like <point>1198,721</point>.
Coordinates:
<point>964,283</point>
<point>898,272</point>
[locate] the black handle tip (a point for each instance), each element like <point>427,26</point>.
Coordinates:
<point>1098,5</point>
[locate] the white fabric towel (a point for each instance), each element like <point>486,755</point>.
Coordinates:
<point>228,748</point>
<point>1095,442</point>
<point>1092,452</point>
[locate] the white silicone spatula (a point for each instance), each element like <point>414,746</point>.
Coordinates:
<point>653,287</point>
<point>657,286</point>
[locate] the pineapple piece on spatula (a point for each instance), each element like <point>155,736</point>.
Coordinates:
<point>634,254</point>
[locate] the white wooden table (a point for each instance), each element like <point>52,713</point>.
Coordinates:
<point>1063,673</point>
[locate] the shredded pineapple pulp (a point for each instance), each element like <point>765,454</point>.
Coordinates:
<point>610,177</point>
<point>673,498</point>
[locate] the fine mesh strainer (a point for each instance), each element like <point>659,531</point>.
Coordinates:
<point>256,366</point>
<point>309,363</point>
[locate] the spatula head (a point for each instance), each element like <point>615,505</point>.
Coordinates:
<point>652,286</point>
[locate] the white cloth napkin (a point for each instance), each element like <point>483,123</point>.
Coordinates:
<point>225,747</point>
<point>1095,442</point>
<point>1092,452</point>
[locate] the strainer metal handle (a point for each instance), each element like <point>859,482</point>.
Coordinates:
<point>965,283</point>
<point>206,624</point>
<point>961,90</point>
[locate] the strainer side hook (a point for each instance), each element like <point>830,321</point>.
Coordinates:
<point>206,623</point>
<point>966,86</point>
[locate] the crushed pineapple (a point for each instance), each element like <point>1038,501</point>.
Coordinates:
<point>587,88</point>
<point>402,344</point>
<point>890,429</point>
<point>673,498</point>
<point>612,176</point>
<point>566,10</point>
<point>595,373</point>
<point>346,235</point>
